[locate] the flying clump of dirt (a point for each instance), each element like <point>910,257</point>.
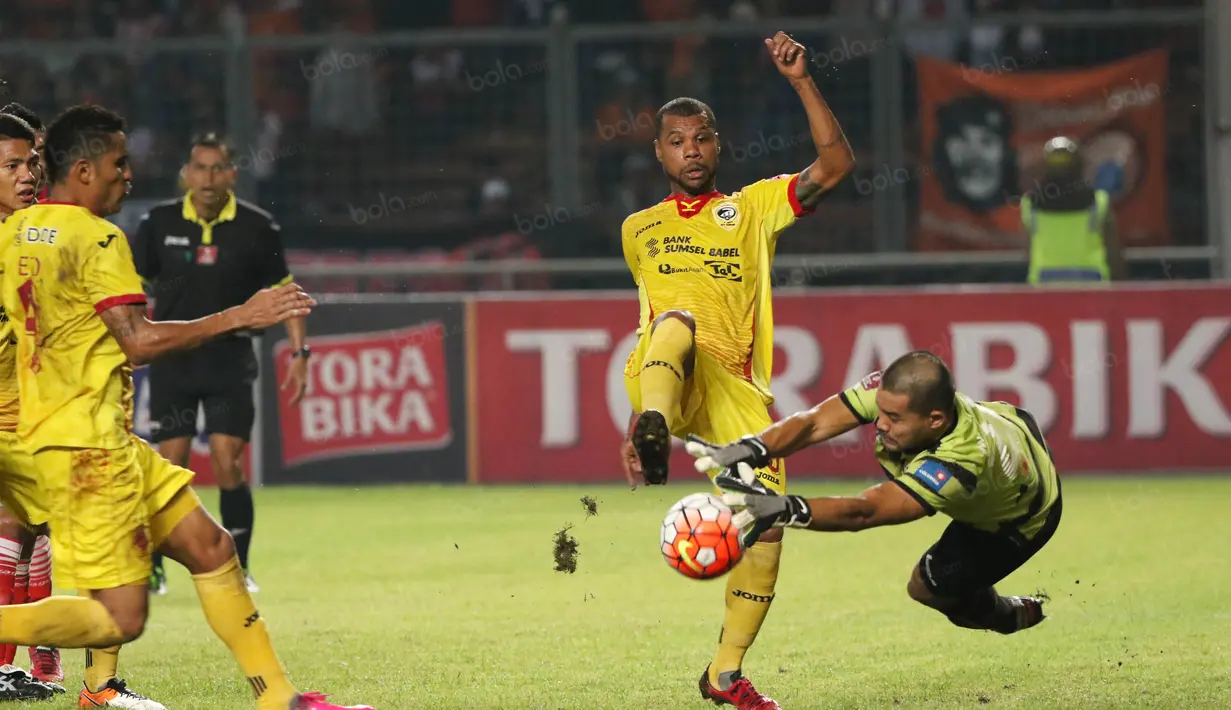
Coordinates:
<point>565,550</point>
<point>590,504</point>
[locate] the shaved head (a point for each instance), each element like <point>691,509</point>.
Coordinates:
<point>924,379</point>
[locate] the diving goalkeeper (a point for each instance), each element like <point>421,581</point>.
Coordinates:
<point>984,464</point>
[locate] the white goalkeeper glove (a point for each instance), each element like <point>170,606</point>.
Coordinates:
<point>759,508</point>
<point>750,450</point>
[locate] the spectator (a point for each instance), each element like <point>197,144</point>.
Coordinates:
<point>939,42</point>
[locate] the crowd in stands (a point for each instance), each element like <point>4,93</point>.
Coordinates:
<point>442,148</point>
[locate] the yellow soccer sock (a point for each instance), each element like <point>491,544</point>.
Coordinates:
<point>60,622</point>
<point>750,589</point>
<point>231,614</point>
<point>662,374</point>
<point>100,666</point>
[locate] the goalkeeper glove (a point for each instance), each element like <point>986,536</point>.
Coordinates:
<point>760,508</point>
<point>749,450</point>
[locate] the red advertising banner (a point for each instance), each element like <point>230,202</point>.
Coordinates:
<point>370,392</point>
<point>1125,380</point>
<point>982,134</point>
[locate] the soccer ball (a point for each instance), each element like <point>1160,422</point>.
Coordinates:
<point>698,539</point>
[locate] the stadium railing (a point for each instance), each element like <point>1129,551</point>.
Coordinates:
<point>451,110</point>
<point>790,270</point>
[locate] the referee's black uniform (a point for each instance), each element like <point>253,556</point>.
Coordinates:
<point>194,268</point>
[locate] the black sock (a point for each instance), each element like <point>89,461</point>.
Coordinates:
<point>237,518</point>
<point>156,558</point>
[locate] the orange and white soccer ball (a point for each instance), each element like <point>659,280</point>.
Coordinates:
<point>698,538</point>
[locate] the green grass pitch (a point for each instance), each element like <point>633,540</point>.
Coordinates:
<point>439,597</point>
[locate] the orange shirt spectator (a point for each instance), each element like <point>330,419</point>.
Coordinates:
<point>684,48</point>
<point>270,19</point>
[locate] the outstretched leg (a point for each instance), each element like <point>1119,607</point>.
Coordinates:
<point>199,543</point>
<point>667,364</point>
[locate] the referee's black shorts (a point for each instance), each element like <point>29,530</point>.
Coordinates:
<point>220,382</point>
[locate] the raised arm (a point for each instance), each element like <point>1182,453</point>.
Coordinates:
<point>834,158</point>
<point>144,341</point>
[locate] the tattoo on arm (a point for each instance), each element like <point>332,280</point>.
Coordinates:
<point>807,191</point>
<point>838,140</point>
<point>124,322</point>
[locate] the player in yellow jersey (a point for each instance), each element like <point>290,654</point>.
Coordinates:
<point>18,524</point>
<point>78,311</point>
<point>32,581</point>
<point>984,464</point>
<point>701,261</point>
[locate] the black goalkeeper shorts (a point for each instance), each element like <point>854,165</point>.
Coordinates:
<point>966,559</point>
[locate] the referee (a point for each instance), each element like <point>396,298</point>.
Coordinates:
<point>202,254</point>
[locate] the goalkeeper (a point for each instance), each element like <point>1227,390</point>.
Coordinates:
<point>984,464</point>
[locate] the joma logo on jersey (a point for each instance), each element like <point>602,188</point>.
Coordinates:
<point>724,270</point>
<point>648,226</point>
<point>41,234</point>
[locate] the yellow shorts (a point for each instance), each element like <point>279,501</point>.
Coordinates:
<point>718,406</point>
<point>169,497</point>
<point>109,508</point>
<point>20,493</point>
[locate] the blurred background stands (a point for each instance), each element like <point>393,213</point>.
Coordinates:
<point>494,129</point>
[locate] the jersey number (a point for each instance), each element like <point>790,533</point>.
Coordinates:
<point>26,292</point>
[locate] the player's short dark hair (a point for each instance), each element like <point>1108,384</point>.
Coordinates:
<point>83,131</point>
<point>925,379</point>
<point>210,140</point>
<point>684,106</point>
<point>25,114</point>
<point>13,128</point>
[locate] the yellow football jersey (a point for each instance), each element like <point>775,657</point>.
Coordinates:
<point>8,363</point>
<point>62,267</point>
<point>711,255</point>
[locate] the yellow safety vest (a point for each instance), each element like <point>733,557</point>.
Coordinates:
<point>1067,247</point>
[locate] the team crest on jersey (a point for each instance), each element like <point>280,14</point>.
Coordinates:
<point>726,214</point>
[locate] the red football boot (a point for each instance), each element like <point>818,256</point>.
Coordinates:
<point>741,694</point>
<point>316,701</point>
